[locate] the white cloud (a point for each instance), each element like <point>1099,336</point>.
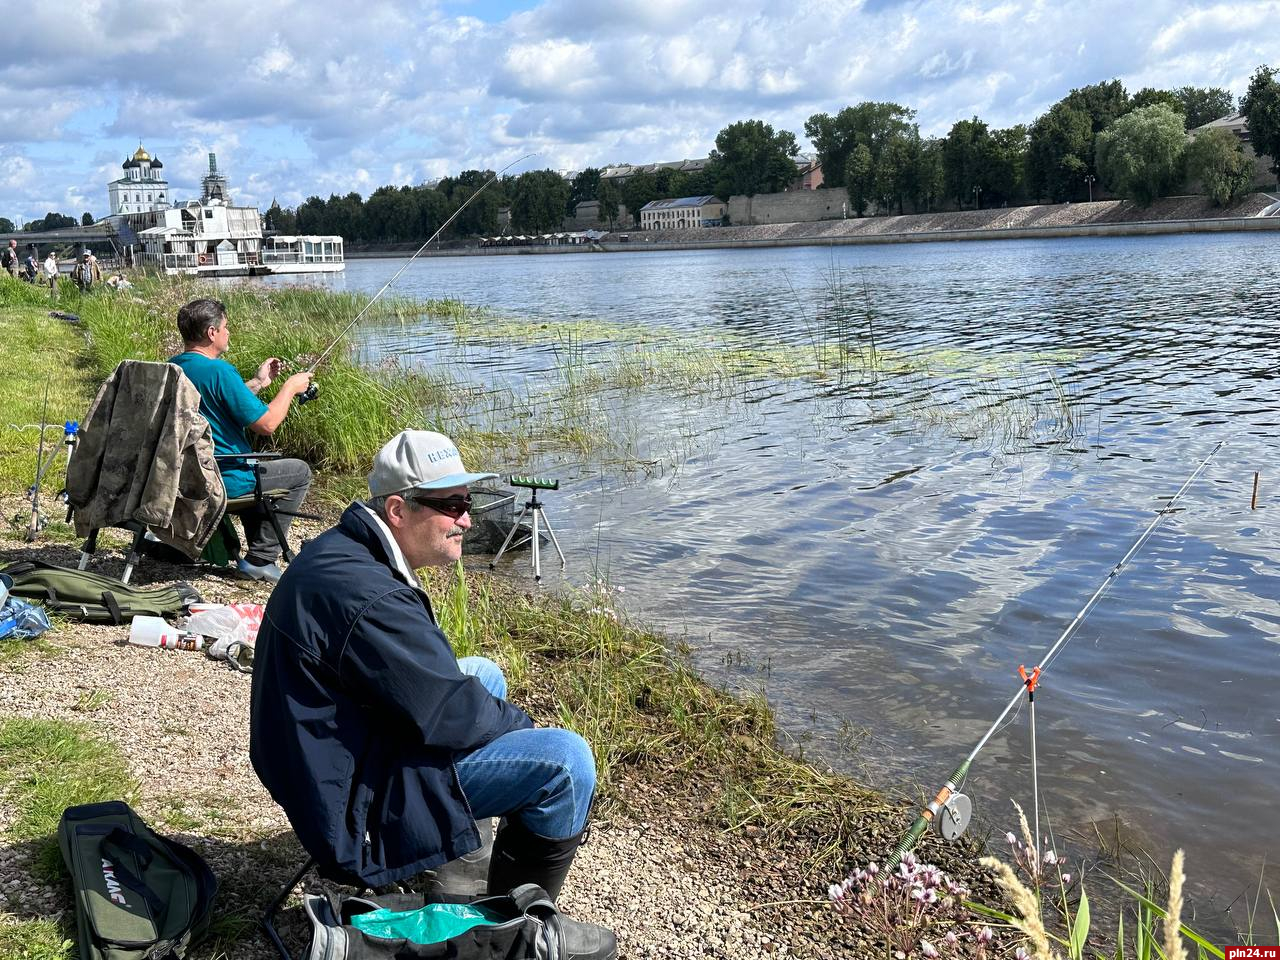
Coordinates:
<point>321,97</point>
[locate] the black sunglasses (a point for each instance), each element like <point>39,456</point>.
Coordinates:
<point>453,507</point>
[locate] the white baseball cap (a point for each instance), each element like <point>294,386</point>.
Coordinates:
<point>419,460</point>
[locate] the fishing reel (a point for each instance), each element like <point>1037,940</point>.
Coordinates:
<point>953,817</point>
<point>309,394</point>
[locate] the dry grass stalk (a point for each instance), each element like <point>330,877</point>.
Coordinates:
<point>1026,905</point>
<point>1173,949</point>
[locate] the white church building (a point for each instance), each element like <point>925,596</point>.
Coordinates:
<point>142,188</point>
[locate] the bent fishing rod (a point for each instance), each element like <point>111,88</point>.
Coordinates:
<point>951,811</point>
<point>313,390</point>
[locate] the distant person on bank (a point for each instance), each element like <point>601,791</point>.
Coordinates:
<point>86,272</point>
<point>231,405</point>
<point>10,258</point>
<point>51,273</point>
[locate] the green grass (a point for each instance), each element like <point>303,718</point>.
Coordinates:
<point>38,352</point>
<point>49,765</point>
<point>578,663</point>
<point>34,940</point>
<point>45,767</point>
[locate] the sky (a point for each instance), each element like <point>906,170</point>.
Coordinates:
<point>313,98</point>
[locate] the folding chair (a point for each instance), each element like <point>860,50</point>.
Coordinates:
<point>267,501</point>
<point>152,376</point>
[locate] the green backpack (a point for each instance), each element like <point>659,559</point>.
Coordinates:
<point>92,597</point>
<point>139,896</point>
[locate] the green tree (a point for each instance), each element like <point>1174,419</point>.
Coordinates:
<point>86,219</point>
<point>344,216</point>
<point>930,179</point>
<point>1058,153</point>
<point>311,216</point>
<point>1202,104</point>
<point>1261,107</point>
<point>1006,165</point>
<point>870,123</point>
<point>431,209</point>
<point>6,225</point>
<point>1217,159</point>
<point>638,189</point>
<point>1140,156</point>
<point>1149,96</point>
<point>481,217</point>
<point>281,221</point>
<point>586,186</point>
<point>1103,102</point>
<point>859,178</point>
<point>50,221</point>
<point>538,201</point>
<point>898,172</point>
<point>750,158</point>
<point>609,199</point>
<point>378,212</point>
<point>966,153</point>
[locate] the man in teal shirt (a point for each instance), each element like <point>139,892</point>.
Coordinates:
<point>231,405</point>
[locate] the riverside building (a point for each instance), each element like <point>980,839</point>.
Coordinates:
<point>683,213</point>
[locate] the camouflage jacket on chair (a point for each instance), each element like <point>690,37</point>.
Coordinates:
<point>146,454</point>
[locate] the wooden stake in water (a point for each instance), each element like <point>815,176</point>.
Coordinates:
<point>1253,504</point>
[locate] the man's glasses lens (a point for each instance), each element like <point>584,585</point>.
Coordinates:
<point>449,506</point>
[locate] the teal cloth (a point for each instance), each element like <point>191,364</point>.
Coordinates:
<point>434,923</point>
<point>230,407</point>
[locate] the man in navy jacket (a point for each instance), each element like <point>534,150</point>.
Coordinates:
<point>381,746</point>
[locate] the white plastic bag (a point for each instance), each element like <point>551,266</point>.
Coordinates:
<point>222,626</point>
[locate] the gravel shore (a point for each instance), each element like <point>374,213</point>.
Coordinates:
<point>657,870</point>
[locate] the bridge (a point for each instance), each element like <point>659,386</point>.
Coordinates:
<point>100,234</point>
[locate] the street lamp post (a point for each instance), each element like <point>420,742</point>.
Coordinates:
<point>977,196</point>
<point>1089,180</point>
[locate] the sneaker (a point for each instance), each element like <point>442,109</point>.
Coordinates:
<point>251,571</point>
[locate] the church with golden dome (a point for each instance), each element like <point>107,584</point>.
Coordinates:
<point>142,188</point>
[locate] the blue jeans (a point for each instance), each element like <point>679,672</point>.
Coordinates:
<point>546,776</point>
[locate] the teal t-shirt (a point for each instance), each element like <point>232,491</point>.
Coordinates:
<point>230,407</point>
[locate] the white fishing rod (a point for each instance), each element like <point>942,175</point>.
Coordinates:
<point>950,811</point>
<point>313,390</point>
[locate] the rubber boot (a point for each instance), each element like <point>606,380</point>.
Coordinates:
<point>522,856</point>
<point>468,875</point>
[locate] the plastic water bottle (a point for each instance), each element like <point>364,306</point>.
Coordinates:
<point>155,632</point>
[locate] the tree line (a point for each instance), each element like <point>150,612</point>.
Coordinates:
<point>50,221</point>
<point>1098,138</point>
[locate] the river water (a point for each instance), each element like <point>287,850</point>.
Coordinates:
<point>880,548</point>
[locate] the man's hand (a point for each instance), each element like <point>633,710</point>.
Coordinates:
<point>297,383</point>
<point>267,373</point>
<point>269,370</point>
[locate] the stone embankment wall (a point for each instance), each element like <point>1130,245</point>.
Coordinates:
<point>794,206</point>
<point>1170,215</point>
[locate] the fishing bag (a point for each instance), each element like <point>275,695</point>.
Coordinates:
<point>139,896</point>
<point>94,598</point>
<point>525,925</point>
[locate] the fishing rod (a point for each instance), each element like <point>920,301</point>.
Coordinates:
<point>313,390</point>
<point>951,811</point>
<point>70,434</point>
<point>34,490</point>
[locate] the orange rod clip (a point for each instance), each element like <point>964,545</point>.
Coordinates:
<point>1030,679</point>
